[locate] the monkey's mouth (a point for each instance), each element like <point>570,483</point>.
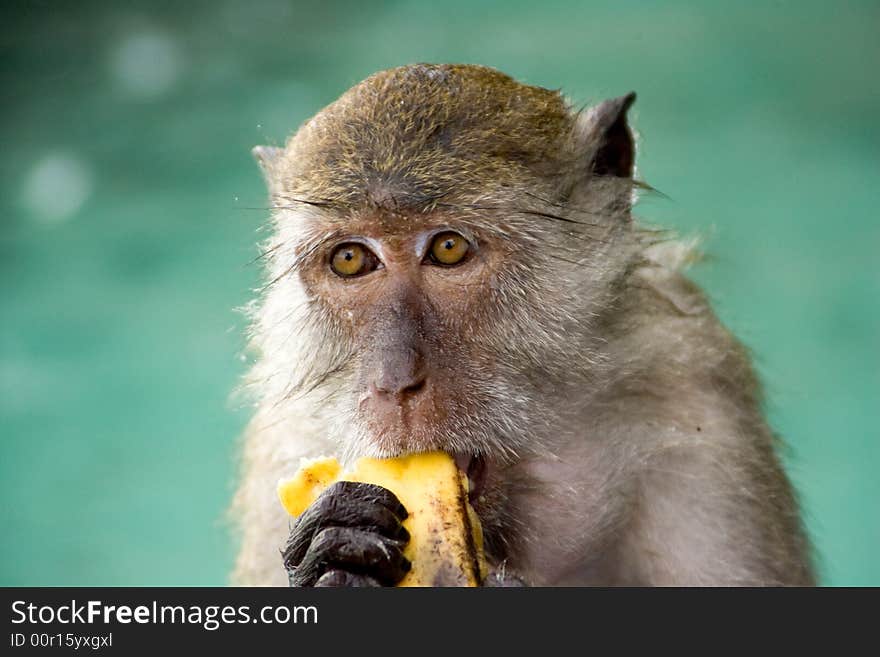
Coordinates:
<point>474,466</point>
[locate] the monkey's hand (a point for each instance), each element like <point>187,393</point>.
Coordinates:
<point>350,536</point>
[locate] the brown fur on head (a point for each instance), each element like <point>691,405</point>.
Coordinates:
<point>542,193</point>
<point>412,137</point>
<point>417,135</point>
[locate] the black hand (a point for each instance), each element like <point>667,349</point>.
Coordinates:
<point>350,536</point>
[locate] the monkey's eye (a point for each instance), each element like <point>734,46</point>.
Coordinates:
<point>352,259</point>
<point>448,249</point>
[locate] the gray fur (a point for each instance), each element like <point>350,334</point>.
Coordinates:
<point>623,422</point>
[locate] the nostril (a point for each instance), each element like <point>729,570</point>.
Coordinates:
<point>399,389</point>
<point>413,388</point>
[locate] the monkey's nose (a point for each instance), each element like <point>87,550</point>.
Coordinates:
<point>399,388</point>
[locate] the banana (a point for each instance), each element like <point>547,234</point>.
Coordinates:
<point>446,540</point>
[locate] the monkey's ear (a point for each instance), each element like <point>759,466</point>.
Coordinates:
<point>610,142</point>
<point>267,157</point>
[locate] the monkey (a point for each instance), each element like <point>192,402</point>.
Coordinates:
<point>454,264</point>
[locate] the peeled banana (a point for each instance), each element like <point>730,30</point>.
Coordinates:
<point>446,540</point>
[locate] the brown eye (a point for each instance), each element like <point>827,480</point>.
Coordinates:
<point>448,248</point>
<point>352,260</point>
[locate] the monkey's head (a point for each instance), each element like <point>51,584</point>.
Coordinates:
<point>445,241</point>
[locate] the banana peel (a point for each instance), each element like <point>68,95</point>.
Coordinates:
<point>446,540</point>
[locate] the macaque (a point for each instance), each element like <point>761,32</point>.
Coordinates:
<point>454,265</point>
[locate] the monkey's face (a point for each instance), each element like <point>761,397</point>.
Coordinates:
<point>415,309</point>
<point>443,250</point>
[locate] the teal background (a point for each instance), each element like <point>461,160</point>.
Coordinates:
<point>130,208</point>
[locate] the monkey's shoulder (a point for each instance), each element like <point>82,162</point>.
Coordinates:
<point>665,331</point>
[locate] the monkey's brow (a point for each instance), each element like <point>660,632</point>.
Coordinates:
<point>514,209</point>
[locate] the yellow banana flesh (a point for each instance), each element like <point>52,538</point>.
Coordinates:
<point>446,540</point>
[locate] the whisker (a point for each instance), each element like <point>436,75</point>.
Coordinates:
<point>264,254</point>
<point>641,184</point>
<point>292,268</point>
<point>557,217</point>
<point>318,203</point>
<point>516,210</point>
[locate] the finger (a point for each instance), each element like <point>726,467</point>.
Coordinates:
<point>344,578</point>
<point>352,505</point>
<point>353,550</point>
<point>370,493</point>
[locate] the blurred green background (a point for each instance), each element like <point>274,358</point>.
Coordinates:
<point>130,209</point>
